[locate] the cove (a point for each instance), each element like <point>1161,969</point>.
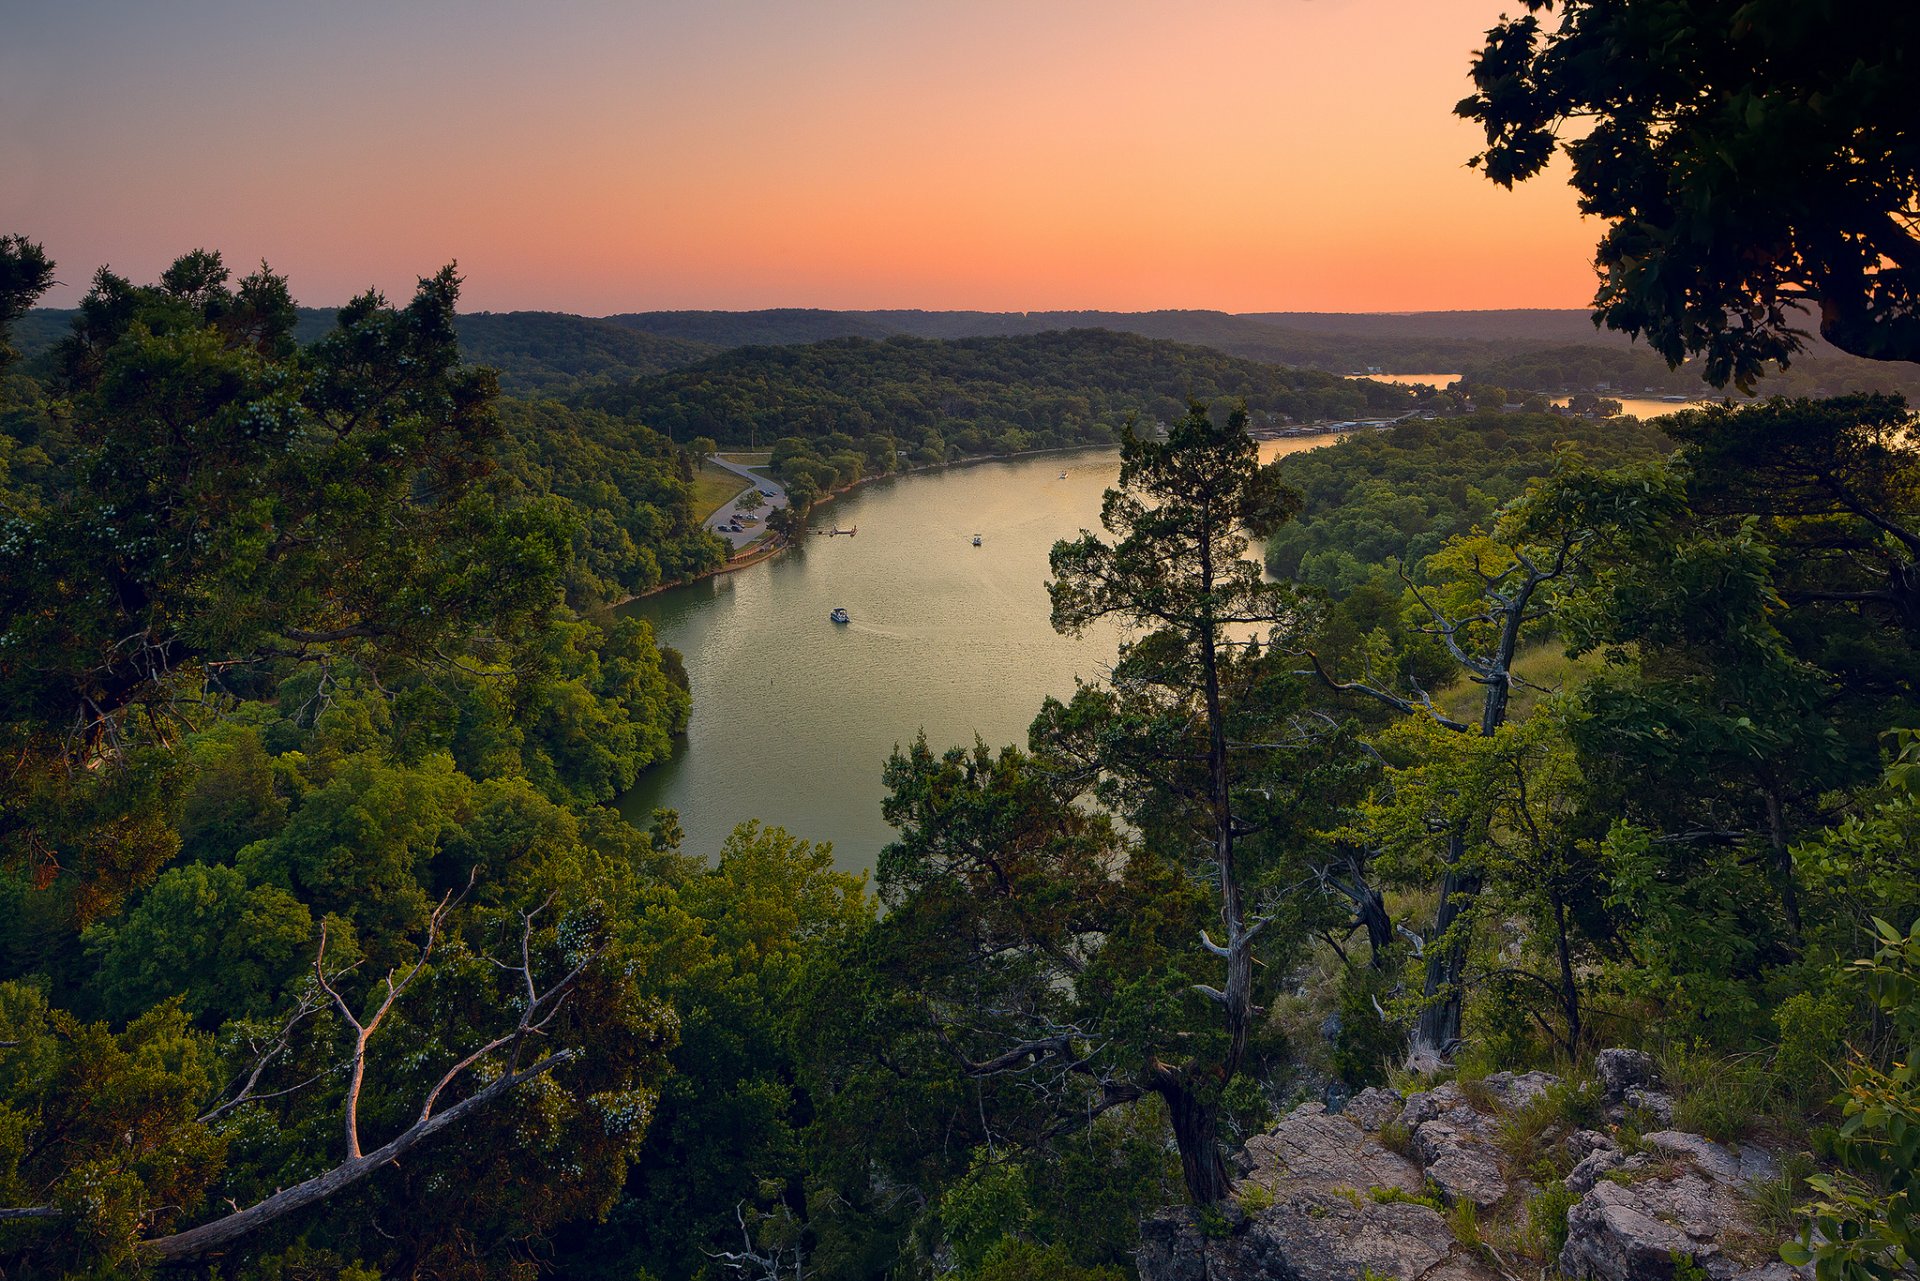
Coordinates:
<point>794,716</point>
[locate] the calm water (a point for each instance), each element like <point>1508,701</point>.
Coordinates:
<point>1638,406</point>
<point>793,716</point>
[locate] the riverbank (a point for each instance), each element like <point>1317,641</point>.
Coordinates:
<point>756,554</point>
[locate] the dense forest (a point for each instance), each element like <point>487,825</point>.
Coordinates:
<point>941,400</point>
<point>1493,850</point>
<point>556,354</point>
<point>349,709</point>
<point>534,352</point>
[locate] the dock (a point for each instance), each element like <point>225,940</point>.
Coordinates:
<point>836,531</point>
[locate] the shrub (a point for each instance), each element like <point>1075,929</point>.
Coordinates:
<point>1547,1220</point>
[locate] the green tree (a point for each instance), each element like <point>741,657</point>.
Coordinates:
<point>1752,162</point>
<point>1192,731</point>
<point>25,273</point>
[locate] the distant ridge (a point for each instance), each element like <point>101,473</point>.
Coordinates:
<point>1549,349</point>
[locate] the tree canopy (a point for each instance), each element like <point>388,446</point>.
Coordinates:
<point>1755,164</point>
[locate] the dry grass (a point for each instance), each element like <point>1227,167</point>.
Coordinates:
<point>1544,665</point>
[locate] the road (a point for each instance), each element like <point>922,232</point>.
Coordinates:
<point>730,512</point>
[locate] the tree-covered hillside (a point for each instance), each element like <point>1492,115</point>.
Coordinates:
<point>1398,495</point>
<point>534,352</point>
<point>941,400</point>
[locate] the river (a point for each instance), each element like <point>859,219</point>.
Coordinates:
<point>1644,407</point>
<point>793,715</point>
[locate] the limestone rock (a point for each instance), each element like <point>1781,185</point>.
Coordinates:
<point>1310,1150</point>
<point>1425,1105</point>
<point>1601,1162</point>
<point>1454,1142</point>
<point>1623,1070</point>
<point>1633,1231</point>
<point>1316,1237</point>
<point>1733,1167</point>
<point>1653,1103</point>
<point>1374,1108</point>
<point>1324,1223</point>
<point>1516,1090</point>
<point>1627,1231</point>
<point>1583,1143</point>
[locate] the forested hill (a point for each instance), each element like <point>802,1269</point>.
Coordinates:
<point>535,351</point>
<point>1451,340</point>
<point>941,399</point>
<point>556,353</point>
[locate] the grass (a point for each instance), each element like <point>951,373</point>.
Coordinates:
<point>1544,665</point>
<point>713,488</point>
<point>748,457</point>
<point>1531,1133</point>
<point>1399,1196</point>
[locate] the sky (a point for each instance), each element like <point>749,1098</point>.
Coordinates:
<point>599,156</point>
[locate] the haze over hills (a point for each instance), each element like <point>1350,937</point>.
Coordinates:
<point>561,354</point>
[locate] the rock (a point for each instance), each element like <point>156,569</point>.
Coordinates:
<point>1428,1104</point>
<point>1468,1173</point>
<point>1172,1247</point>
<point>1309,1238</point>
<point>1733,1167</point>
<point>1595,1164</point>
<point>1632,1232</point>
<point>1627,1231</point>
<point>1324,1224</point>
<point>1775,1271</point>
<point>1454,1142</point>
<point>1512,1091</point>
<point>1311,1151</point>
<point>1623,1070</point>
<point>1653,1103</point>
<point>1583,1143</point>
<point>1373,1108</point>
<point>1459,1159</point>
<point>1335,1096</point>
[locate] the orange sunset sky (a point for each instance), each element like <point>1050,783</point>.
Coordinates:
<point>597,157</point>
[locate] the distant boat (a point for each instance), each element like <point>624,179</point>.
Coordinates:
<point>976,540</point>
<point>1063,475</point>
<point>839,615</point>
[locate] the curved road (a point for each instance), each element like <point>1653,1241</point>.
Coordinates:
<point>730,511</point>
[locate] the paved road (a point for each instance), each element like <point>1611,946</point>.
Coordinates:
<point>730,512</point>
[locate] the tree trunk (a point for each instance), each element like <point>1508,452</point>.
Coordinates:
<point>1437,1031</point>
<point>1196,1132</point>
<point>1371,911</point>
<point>1569,986</point>
<point>1782,860</point>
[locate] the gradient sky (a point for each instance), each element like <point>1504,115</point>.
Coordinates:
<point>596,156</point>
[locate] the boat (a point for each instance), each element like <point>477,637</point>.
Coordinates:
<point>1063,475</point>
<point>839,615</point>
<point>976,540</point>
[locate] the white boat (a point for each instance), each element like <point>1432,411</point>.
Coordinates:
<point>839,615</point>
<point>976,540</point>
<point>1063,475</point>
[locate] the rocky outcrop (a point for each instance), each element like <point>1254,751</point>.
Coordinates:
<point>1684,1198</point>
<point>1454,1141</point>
<point>1323,1198</point>
<point>1374,1108</point>
<point>1631,1079</point>
<point>1332,1202</point>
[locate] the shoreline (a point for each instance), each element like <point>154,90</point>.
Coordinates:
<point>777,545</point>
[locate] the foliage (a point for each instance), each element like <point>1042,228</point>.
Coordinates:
<point>1379,497</point>
<point>937,401</point>
<point>1750,162</point>
<point>1862,1224</point>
